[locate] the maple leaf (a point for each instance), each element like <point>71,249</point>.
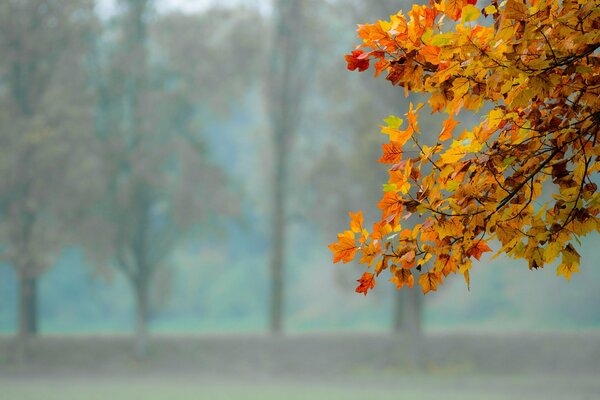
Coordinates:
<point>391,204</point>
<point>403,277</point>
<point>370,252</point>
<point>449,125</point>
<point>366,283</point>
<point>566,270</point>
<point>478,249</point>
<point>570,262</point>
<point>356,221</point>
<point>429,281</point>
<point>392,153</point>
<point>537,66</point>
<point>454,9</point>
<point>357,60</point>
<point>345,248</point>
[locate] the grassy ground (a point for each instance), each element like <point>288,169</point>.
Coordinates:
<point>413,388</point>
<point>448,367</point>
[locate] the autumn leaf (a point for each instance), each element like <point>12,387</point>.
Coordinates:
<point>391,204</point>
<point>429,281</point>
<point>515,9</point>
<point>566,270</point>
<point>366,283</point>
<point>454,9</point>
<point>356,221</point>
<point>392,153</point>
<point>478,249</point>
<point>525,174</point>
<point>449,125</point>
<point>403,277</point>
<point>345,248</point>
<point>370,252</point>
<point>570,262</point>
<point>357,60</point>
<point>431,54</point>
<point>381,265</point>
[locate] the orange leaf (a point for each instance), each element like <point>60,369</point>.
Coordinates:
<point>356,221</point>
<point>515,9</point>
<point>429,281</point>
<point>478,249</point>
<point>391,204</point>
<point>392,153</point>
<point>380,66</point>
<point>403,277</point>
<point>345,248</point>
<point>454,9</point>
<point>380,230</point>
<point>431,54</point>
<point>412,117</point>
<point>370,252</point>
<point>449,126</point>
<point>408,260</point>
<point>381,265</point>
<point>366,283</point>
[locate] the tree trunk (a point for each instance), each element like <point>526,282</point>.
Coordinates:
<point>26,293</point>
<point>285,93</point>
<point>278,232</point>
<point>414,329</point>
<point>31,311</point>
<point>399,304</point>
<point>407,312</point>
<point>413,311</point>
<point>141,317</point>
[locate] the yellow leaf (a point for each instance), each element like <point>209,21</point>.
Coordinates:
<point>494,117</point>
<point>566,270</point>
<point>398,136</point>
<point>454,154</point>
<point>491,9</point>
<point>469,13</point>
<point>429,281</point>
<point>460,87</point>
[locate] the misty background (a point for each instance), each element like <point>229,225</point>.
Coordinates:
<point>176,169</point>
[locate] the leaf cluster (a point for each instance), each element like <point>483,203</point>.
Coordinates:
<point>523,177</point>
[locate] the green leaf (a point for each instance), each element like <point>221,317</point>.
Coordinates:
<point>508,161</point>
<point>390,187</point>
<point>452,185</point>
<point>442,39</point>
<point>393,122</point>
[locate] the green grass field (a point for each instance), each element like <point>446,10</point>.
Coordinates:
<point>452,366</point>
<point>410,388</point>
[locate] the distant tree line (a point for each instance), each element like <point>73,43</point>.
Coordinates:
<point>102,137</point>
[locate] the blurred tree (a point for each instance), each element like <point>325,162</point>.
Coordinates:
<point>286,89</point>
<point>371,101</point>
<point>42,133</point>
<point>154,87</point>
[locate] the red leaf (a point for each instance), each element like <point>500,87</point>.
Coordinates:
<point>367,282</point>
<point>478,249</point>
<point>358,59</point>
